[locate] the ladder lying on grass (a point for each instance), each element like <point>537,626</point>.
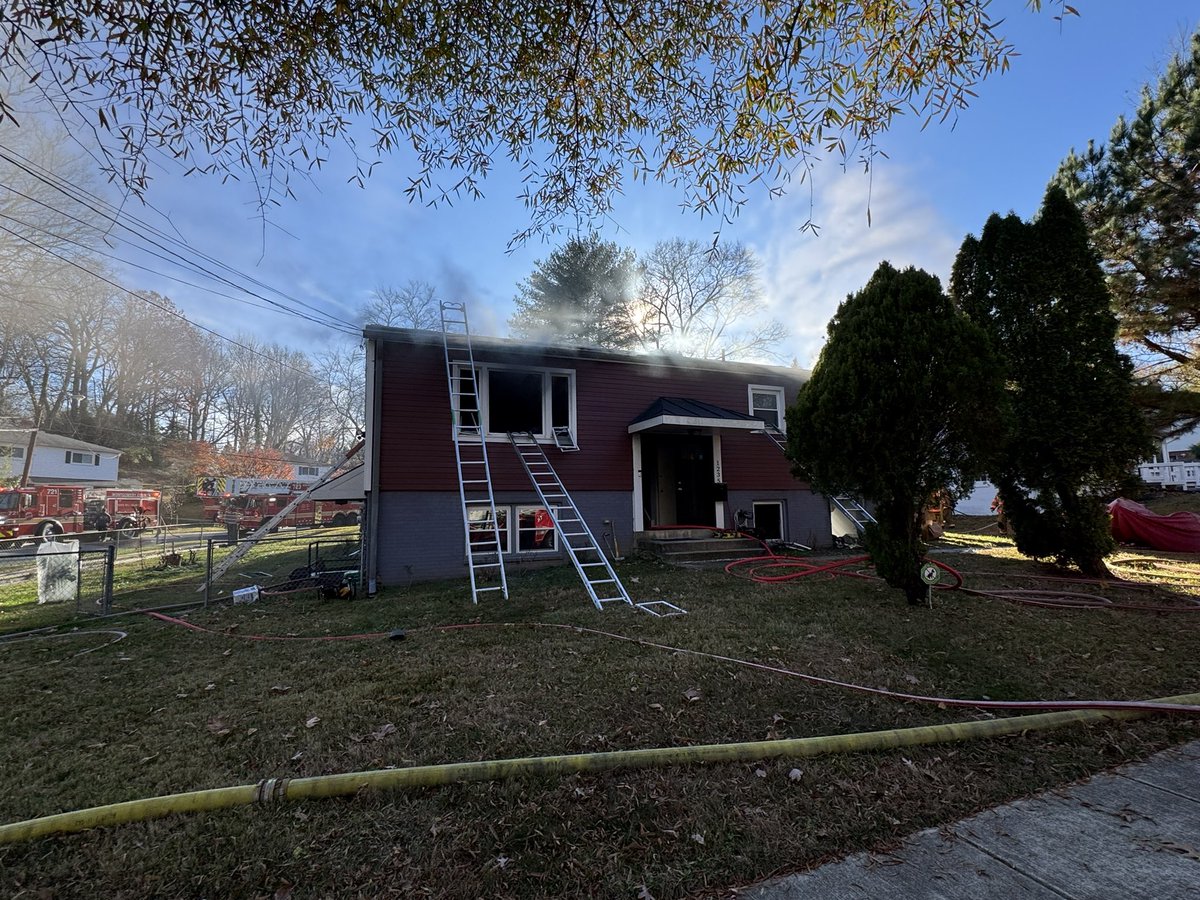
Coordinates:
<point>594,569</point>
<point>850,507</point>
<point>484,557</point>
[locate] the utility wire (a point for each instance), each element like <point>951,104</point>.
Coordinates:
<point>117,216</point>
<point>145,299</point>
<point>98,252</point>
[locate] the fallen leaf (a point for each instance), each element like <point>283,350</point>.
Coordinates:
<point>383,731</point>
<point>760,773</point>
<point>692,695</point>
<point>502,862</point>
<point>280,688</point>
<point>912,679</point>
<point>312,721</point>
<point>250,731</point>
<point>795,775</point>
<point>643,893</point>
<point>211,686</point>
<point>656,706</point>
<point>698,838</point>
<point>146,759</point>
<point>297,756</point>
<point>227,652</point>
<point>218,728</point>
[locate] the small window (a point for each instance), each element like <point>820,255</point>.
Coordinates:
<point>479,525</point>
<point>560,401</point>
<point>766,403</point>
<point>535,529</point>
<point>12,452</point>
<point>306,470</point>
<point>75,458</point>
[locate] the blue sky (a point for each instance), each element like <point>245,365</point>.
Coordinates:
<point>336,242</point>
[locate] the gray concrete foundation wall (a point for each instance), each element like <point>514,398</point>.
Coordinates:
<point>805,513</point>
<point>421,538</point>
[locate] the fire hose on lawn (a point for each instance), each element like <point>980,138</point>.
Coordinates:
<point>278,790</point>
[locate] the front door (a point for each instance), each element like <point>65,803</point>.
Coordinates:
<point>677,472</point>
<point>694,504</point>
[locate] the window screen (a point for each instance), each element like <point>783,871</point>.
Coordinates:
<point>514,401</point>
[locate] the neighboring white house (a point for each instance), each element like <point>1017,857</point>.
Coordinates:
<point>1173,464</point>
<point>57,459</point>
<point>306,470</point>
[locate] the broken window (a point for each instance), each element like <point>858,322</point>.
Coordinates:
<point>466,395</point>
<point>515,401</point>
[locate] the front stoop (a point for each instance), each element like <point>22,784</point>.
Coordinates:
<point>694,547</point>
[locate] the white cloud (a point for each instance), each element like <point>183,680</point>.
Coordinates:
<point>806,276</point>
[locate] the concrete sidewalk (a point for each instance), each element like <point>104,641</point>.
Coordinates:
<point>1134,833</point>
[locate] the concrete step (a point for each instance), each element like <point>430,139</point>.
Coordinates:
<point>671,548</point>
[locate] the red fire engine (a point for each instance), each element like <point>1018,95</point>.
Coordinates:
<point>252,501</point>
<point>43,510</point>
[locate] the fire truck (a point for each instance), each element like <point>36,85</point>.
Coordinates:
<point>252,501</point>
<point>45,510</point>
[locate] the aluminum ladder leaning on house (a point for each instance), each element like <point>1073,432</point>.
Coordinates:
<point>484,557</point>
<point>593,566</point>
<point>849,506</point>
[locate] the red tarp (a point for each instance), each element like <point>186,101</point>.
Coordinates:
<point>1132,523</point>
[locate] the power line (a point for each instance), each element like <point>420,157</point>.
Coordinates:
<point>145,299</point>
<point>77,194</point>
<point>122,260</point>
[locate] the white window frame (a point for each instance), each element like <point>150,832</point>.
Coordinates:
<point>92,459</point>
<point>483,385</point>
<point>307,471</point>
<point>515,519</point>
<point>775,389</point>
<point>510,532</point>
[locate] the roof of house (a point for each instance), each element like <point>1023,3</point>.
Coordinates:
<point>684,412</point>
<point>19,437</point>
<point>347,486</point>
<point>519,348</point>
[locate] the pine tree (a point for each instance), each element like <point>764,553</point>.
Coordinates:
<point>1140,199</point>
<point>580,294</point>
<point>902,403</point>
<point>1075,433</point>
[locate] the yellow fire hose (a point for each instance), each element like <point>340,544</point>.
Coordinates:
<point>276,790</point>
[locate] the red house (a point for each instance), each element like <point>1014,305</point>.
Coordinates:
<point>637,441</point>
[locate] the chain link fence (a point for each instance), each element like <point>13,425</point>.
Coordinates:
<point>55,582</point>
<point>163,571</point>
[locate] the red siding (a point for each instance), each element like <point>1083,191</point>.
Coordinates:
<point>417,453</point>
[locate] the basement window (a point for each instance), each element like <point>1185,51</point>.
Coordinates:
<point>535,529</point>
<point>479,526</point>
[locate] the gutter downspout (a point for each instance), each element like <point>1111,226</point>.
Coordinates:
<point>370,531</point>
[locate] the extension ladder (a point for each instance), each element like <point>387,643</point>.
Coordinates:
<point>854,511</point>
<point>593,566</point>
<point>485,559</point>
<point>850,507</point>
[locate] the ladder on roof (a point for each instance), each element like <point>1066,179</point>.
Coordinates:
<point>485,559</point>
<point>850,507</point>
<point>593,566</point>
